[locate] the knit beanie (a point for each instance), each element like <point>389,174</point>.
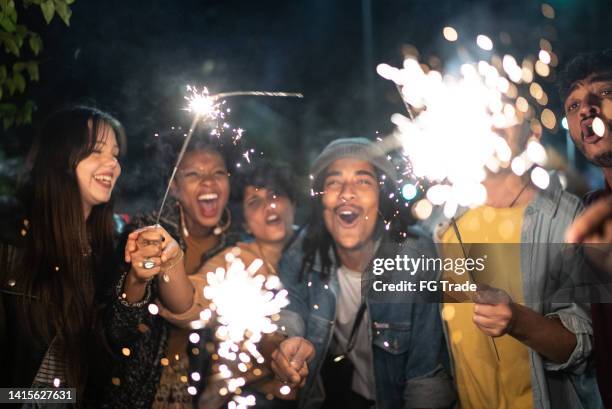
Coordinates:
<point>357,148</point>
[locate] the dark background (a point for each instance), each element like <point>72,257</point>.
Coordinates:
<point>135,58</point>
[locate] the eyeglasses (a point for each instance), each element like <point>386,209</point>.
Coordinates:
<point>192,175</point>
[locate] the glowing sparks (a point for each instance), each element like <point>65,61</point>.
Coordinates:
<point>544,56</point>
<point>241,402</point>
<point>514,71</point>
<point>202,104</point>
<point>548,11</point>
<point>564,123</point>
<point>484,42</point>
<point>153,309</point>
<point>548,118</point>
<point>471,115</point>
<point>542,69</point>
<point>540,178</point>
<point>422,210</point>
<point>599,128</point>
<point>194,338</point>
<point>450,34</point>
<point>536,152</point>
<point>536,90</point>
<point>241,325</point>
<point>409,191</point>
<point>465,107</point>
<point>206,107</point>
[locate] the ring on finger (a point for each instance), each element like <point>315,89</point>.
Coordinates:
<point>148,264</point>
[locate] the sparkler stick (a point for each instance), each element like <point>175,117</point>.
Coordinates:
<point>409,109</point>
<point>192,129</point>
<point>412,116</point>
<point>258,94</point>
<point>471,275</point>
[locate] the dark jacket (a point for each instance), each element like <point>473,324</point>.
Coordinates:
<point>21,353</point>
<point>146,334</point>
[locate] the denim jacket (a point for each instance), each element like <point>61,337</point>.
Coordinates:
<point>408,351</point>
<point>571,384</point>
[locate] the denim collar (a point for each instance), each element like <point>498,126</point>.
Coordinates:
<point>317,266</point>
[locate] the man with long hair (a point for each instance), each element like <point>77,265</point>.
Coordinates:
<point>382,348</point>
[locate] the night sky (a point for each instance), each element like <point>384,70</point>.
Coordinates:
<point>134,58</point>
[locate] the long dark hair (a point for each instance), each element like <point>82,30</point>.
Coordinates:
<point>319,243</point>
<point>66,257</point>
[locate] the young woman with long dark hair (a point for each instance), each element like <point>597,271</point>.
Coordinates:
<point>57,254</point>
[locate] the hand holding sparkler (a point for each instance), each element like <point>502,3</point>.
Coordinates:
<point>493,311</point>
<point>143,250</point>
<point>152,250</point>
<point>290,361</point>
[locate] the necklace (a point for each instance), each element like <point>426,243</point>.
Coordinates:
<point>519,194</point>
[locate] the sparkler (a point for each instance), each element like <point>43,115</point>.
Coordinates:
<point>255,291</point>
<point>209,107</point>
<point>241,325</point>
<point>464,113</point>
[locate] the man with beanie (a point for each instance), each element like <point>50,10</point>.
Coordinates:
<point>586,92</point>
<point>371,347</point>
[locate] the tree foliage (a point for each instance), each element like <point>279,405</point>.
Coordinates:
<point>22,47</point>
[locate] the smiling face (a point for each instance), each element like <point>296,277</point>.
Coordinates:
<point>97,173</point>
<point>202,187</point>
<point>350,202</point>
<point>588,108</point>
<point>268,215</point>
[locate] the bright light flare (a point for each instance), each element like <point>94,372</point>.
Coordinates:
<point>241,402</point>
<point>540,178</point>
<point>202,104</point>
<point>248,319</point>
<point>564,123</point>
<point>544,56</point>
<point>599,128</point>
<point>459,135</point>
<point>450,34</point>
<point>484,42</point>
<point>452,141</point>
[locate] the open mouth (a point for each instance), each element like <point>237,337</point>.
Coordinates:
<point>273,219</point>
<point>208,203</point>
<point>348,215</point>
<point>104,179</point>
